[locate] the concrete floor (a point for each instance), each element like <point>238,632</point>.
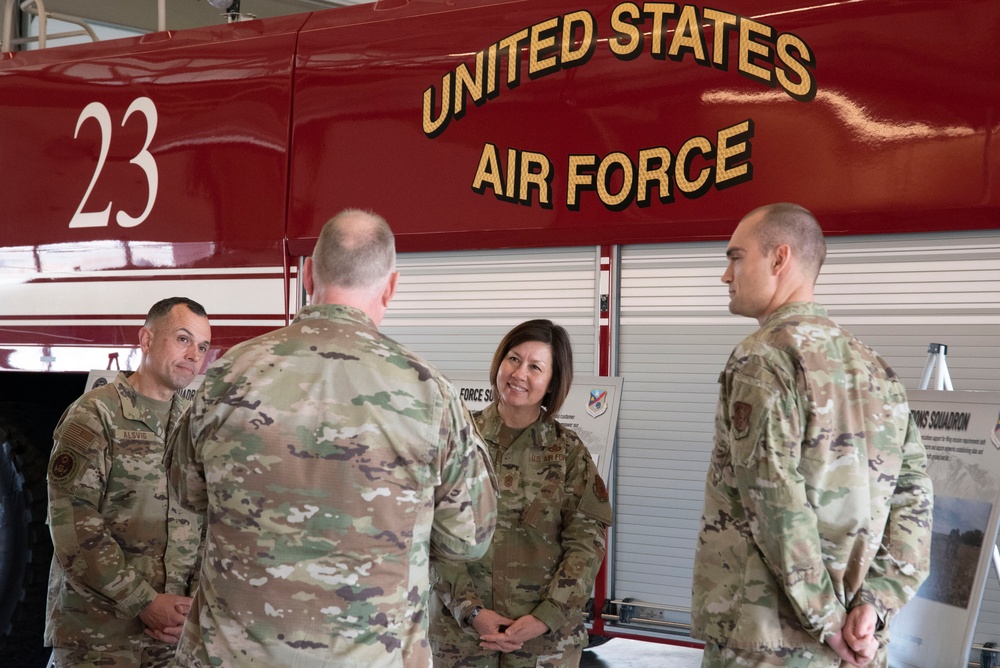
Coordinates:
<point>622,653</point>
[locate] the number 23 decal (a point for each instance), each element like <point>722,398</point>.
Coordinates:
<point>144,160</point>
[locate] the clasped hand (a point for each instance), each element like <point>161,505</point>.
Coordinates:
<point>517,632</point>
<point>856,643</point>
<point>164,617</point>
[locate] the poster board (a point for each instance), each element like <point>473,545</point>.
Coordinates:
<point>961,433</point>
<point>590,409</point>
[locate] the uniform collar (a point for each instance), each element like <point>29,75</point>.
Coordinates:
<point>132,410</point>
<point>335,312</point>
<point>797,308</point>
<point>536,432</point>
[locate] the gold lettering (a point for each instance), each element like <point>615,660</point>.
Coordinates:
<point>488,173</point>
<point>660,11</point>
<point>542,40</point>
<point>536,170</point>
<point>805,89</point>
<point>585,21</point>
<point>464,81</point>
<point>684,157</point>
<point>611,162</point>
<point>733,160</point>
<point>654,166</point>
<point>627,43</point>
<point>435,126</point>
<point>749,48</point>
<point>724,22</point>
<point>580,175</point>
<point>687,35</point>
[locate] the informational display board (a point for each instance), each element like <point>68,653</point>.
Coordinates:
<point>590,409</point>
<point>961,433</point>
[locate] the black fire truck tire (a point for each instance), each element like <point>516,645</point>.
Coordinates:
<point>25,543</point>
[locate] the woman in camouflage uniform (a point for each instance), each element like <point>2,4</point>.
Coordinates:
<point>522,604</point>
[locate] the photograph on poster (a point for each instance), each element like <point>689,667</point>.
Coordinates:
<point>959,529</point>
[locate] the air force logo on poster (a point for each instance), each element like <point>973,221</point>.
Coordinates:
<point>598,402</point>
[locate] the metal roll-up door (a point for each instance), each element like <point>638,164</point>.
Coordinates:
<point>897,293</point>
<point>453,308</point>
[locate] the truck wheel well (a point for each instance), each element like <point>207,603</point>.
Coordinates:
<point>25,543</point>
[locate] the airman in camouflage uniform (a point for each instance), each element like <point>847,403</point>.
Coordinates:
<point>817,519</point>
<point>550,540</point>
<point>125,552</point>
<point>332,463</point>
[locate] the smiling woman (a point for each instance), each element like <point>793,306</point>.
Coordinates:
<point>525,598</point>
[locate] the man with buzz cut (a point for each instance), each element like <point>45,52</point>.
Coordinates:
<point>816,527</point>
<point>125,553</point>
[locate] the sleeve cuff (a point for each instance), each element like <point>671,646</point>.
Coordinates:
<point>136,601</point>
<point>550,613</point>
<point>829,630</point>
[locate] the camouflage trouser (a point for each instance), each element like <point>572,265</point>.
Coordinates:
<point>818,657</point>
<point>519,659</point>
<point>152,656</point>
<point>456,648</point>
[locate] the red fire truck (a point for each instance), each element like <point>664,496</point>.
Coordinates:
<point>578,160</point>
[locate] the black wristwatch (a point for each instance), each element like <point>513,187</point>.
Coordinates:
<point>472,615</point>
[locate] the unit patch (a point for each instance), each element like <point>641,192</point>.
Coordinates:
<point>741,418</point>
<point>600,489</point>
<point>64,468</point>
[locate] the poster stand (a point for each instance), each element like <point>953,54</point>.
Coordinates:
<point>936,355</point>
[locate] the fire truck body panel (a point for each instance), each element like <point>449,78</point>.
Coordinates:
<point>864,146</point>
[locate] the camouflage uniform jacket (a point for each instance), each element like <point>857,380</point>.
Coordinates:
<point>549,544</point>
<point>110,520</point>
<point>331,462</point>
<point>817,497</point>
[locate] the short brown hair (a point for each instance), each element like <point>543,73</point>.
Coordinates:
<point>556,337</point>
<point>790,224</point>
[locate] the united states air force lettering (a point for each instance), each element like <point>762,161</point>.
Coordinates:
<point>619,179</point>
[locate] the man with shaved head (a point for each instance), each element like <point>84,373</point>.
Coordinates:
<point>816,527</point>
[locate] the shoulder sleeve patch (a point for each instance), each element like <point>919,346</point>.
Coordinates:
<point>78,437</point>
<point>595,503</point>
<point>741,418</point>
<point>600,489</point>
<point>64,467</point>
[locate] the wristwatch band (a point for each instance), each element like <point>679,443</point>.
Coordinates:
<point>472,615</point>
